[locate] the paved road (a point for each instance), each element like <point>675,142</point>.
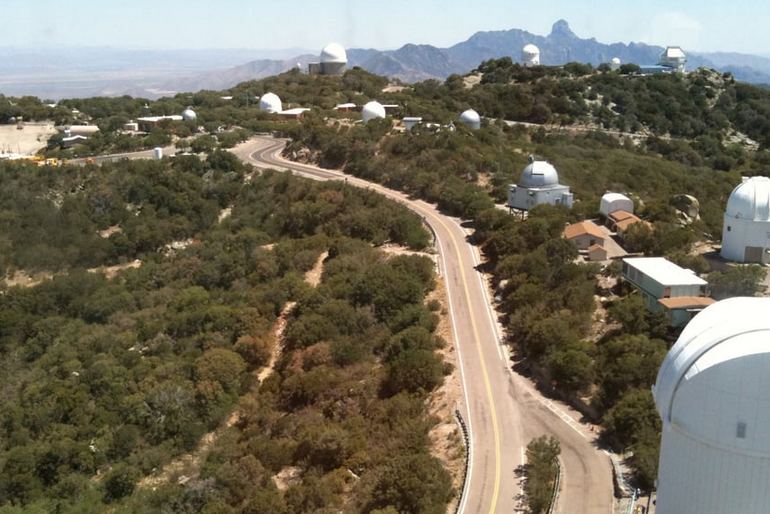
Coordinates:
<point>144,154</point>
<point>502,409</point>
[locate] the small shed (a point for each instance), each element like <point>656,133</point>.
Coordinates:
<point>612,202</point>
<point>596,253</point>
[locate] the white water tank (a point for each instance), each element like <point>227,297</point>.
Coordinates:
<point>157,153</point>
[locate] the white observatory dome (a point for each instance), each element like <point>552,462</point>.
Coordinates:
<point>271,103</point>
<point>713,396</point>
<point>334,53</point>
<point>539,174</point>
<point>615,60</point>
<point>530,55</point>
<point>189,115</point>
<point>471,119</point>
<point>372,110</point>
<point>750,200</point>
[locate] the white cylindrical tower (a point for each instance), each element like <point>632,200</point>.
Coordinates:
<point>615,64</point>
<point>333,59</point>
<point>713,396</point>
<point>372,110</point>
<point>157,153</point>
<point>746,228</point>
<point>530,55</point>
<point>470,119</point>
<point>271,103</point>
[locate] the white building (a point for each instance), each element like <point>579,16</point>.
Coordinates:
<point>333,61</point>
<point>666,287</point>
<point>612,202</point>
<point>746,228</point>
<point>411,121</point>
<point>372,110</point>
<point>271,103</point>
<point>470,119</point>
<point>530,55</point>
<point>78,130</point>
<point>539,184</point>
<point>673,57</point>
<point>615,64</point>
<point>713,396</point>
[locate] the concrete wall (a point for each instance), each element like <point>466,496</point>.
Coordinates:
<point>737,234</point>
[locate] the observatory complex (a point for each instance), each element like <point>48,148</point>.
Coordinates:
<point>713,396</point>
<point>333,61</point>
<point>746,228</point>
<point>530,55</point>
<point>539,184</point>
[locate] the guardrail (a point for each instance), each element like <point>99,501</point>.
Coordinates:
<point>556,488</point>
<point>467,443</point>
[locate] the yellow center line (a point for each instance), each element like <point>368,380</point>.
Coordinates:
<point>474,326</point>
<point>484,373</point>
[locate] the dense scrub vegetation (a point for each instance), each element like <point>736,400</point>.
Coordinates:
<point>683,127</point>
<point>105,380</point>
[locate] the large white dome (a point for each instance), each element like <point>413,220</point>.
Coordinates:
<point>471,119</point>
<point>189,115</point>
<point>530,50</point>
<point>539,174</point>
<point>334,53</point>
<point>271,103</point>
<point>750,200</point>
<point>713,395</point>
<point>372,110</point>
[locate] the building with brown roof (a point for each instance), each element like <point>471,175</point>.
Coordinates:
<point>584,234</point>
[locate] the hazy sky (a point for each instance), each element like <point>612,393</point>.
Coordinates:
<point>707,25</point>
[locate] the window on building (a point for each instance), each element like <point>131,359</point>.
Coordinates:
<point>740,431</point>
<point>729,228</point>
<point>666,292</point>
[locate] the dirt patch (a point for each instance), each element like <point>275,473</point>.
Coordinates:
<point>112,271</point>
<point>27,141</point>
<point>21,278</point>
<point>224,214</point>
<point>313,277</point>
<point>394,88</point>
<point>287,477</point>
<point>107,232</point>
<point>446,442</point>
<point>472,80</point>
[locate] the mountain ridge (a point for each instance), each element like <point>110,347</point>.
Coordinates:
<point>413,62</point>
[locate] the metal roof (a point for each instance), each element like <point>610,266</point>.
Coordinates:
<point>664,271</point>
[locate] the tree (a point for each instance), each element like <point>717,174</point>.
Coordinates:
<point>541,468</point>
<point>737,281</point>
<point>414,370</point>
<point>412,484</point>
<point>120,482</point>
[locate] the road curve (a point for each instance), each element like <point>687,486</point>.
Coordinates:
<point>502,409</point>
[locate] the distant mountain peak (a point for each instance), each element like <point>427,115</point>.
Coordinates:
<point>561,29</point>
